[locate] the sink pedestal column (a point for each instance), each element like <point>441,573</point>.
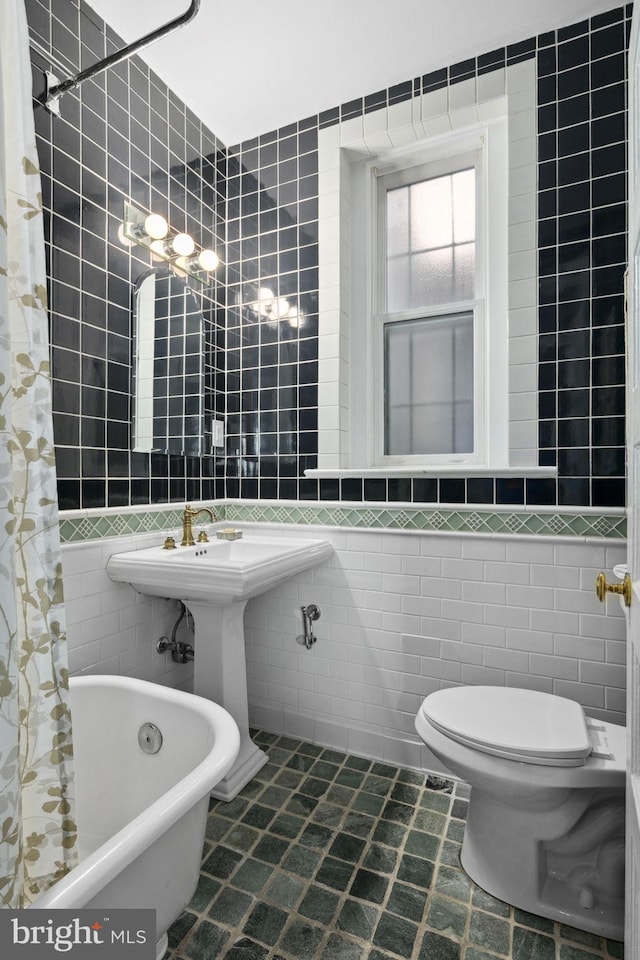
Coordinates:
<point>220,674</point>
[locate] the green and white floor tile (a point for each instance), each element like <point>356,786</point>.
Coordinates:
<point>325,856</point>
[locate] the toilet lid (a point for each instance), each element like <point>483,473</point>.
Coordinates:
<point>517,724</point>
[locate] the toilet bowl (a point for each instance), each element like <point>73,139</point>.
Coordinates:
<point>545,826</point>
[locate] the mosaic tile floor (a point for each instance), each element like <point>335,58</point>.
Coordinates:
<point>325,856</point>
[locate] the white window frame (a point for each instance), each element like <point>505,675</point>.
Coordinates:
<point>401,171</point>
<point>487,143</point>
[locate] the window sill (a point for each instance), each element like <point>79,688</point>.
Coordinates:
<point>451,470</point>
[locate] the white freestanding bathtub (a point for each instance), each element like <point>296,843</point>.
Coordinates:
<point>141,815</point>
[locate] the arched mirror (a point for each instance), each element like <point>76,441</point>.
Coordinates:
<point>169,350</point>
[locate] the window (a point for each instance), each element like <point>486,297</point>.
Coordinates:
<point>472,119</point>
<point>428,306</point>
<point>428,264</point>
<point>427,315</point>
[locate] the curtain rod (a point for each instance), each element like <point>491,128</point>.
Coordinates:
<point>47,55</point>
<point>55,89</point>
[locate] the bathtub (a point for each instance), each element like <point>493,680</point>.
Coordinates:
<point>141,815</point>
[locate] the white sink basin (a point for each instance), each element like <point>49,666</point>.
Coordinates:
<point>221,571</point>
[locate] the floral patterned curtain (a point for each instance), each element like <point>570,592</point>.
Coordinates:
<point>37,826</point>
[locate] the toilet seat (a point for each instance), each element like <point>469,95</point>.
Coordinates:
<point>524,725</point>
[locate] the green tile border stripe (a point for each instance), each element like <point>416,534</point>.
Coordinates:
<point>76,529</point>
<point>365,517</point>
<point>429,520</point>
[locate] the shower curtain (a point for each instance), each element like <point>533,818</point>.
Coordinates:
<point>37,827</point>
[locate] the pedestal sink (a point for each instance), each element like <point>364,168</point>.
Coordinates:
<point>214,580</point>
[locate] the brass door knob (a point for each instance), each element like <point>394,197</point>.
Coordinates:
<point>603,588</point>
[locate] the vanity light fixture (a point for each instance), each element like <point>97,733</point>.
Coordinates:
<point>179,250</point>
<point>272,309</point>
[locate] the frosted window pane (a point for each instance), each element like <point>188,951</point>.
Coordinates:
<point>464,206</point>
<point>431,214</point>
<point>429,386</point>
<point>431,242</point>
<point>399,429</point>
<point>397,365</point>
<point>432,427</point>
<point>398,221</point>
<point>464,271</point>
<point>398,284</point>
<point>433,345</point>
<point>432,277</point>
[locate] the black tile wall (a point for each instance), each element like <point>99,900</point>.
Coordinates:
<point>272,313</point>
<point>125,136</point>
<point>122,136</point>
<point>582,127</point>
<point>271,210</point>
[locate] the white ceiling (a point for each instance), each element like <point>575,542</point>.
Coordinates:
<point>249,66</point>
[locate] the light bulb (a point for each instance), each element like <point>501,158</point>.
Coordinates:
<point>208,260</point>
<point>181,266</point>
<point>182,244</point>
<point>157,246</point>
<point>156,226</point>
<point>123,238</point>
<point>293,317</point>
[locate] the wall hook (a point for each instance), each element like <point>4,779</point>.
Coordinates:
<point>309,615</point>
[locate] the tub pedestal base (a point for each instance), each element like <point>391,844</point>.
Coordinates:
<point>221,674</point>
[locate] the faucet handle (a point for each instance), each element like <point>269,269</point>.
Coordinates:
<point>202,536</point>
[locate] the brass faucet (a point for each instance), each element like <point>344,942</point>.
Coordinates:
<point>189,515</point>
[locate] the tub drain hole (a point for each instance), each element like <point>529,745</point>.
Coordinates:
<point>149,738</point>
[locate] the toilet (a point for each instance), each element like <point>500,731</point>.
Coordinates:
<point>545,827</point>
